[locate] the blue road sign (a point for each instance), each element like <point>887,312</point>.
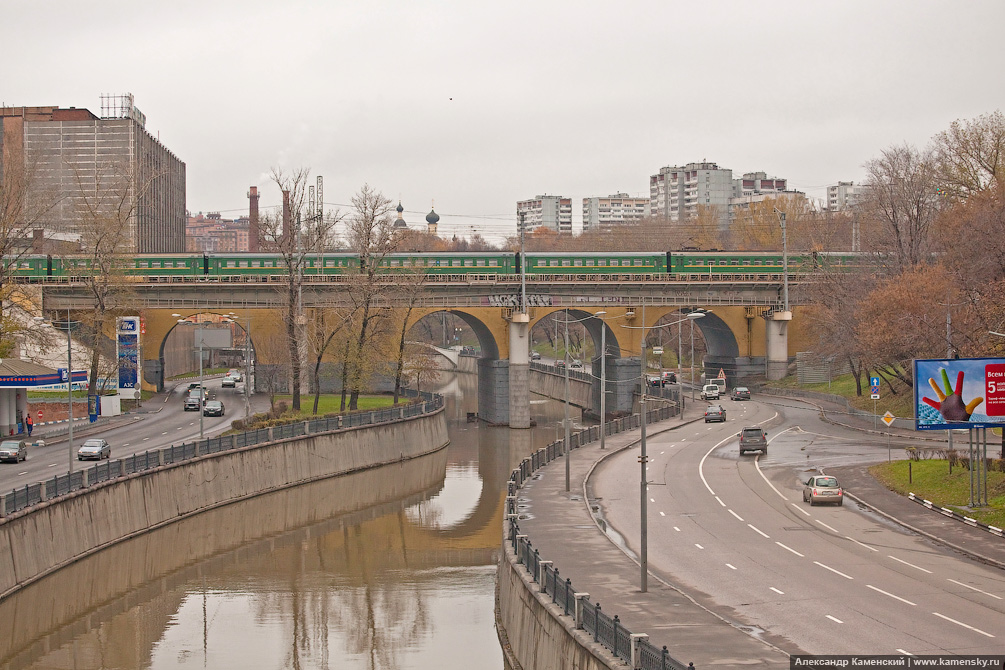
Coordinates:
<point>873,381</point>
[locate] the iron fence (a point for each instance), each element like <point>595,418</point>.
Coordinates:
<point>33,494</point>
<point>589,616</point>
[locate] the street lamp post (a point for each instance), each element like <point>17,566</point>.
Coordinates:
<point>202,389</point>
<point>603,381</point>
<point>643,457</point>
<point>568,439</point>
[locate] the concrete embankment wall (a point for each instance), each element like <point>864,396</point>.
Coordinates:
<point>552,385</point>
<point>534,631</point>
<point>46,537</point>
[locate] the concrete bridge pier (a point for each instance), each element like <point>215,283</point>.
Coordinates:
<point>493,391</point>
<point>777,345</point>
<point>519,371</point>
<point>622,380</point>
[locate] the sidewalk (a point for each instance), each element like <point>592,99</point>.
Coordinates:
<point>564,531</point>
<point>562,528</point>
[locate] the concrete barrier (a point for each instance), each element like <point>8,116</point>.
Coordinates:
<point>44,538</point>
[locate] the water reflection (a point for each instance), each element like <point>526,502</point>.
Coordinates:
<point>390,568</point>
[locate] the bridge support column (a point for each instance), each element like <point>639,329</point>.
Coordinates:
<point>777,345</point>
<point>493,390</point>
<point>621,373</point>
<point>519,372</point>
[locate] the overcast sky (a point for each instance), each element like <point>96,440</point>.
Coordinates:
<point>476,105</point>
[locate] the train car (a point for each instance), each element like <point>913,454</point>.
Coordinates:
<point>30,268</point>
<point>273,264</point>
<point>165,267</point>
<point>592,262</point>
<point>450,263</point>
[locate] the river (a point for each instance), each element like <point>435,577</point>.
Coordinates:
<point>390,568</point>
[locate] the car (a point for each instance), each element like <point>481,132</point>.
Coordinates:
<point>715,413</point>
<point>576,364</point>
<point>753,438</point>
<point>822,489</point>
<point>710,392</point>
<point>740,393</point>
<point>235,375</point>
<point>213,408</point>
<point>194,385</point>
<point>13,450</point>
<point>192,403</point>
<point>668,378</point>
<point>229,382</point>
<point>535,355</point>
<point>560,363</point>
<point>94,448</point>
<point>654,381</point>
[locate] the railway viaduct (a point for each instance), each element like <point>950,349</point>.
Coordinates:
<point>746,333</point>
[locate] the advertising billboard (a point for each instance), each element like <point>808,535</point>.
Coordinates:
<point>128,352</point>
<point>959,393</point>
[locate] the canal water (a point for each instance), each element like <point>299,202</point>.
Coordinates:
<point>390,568</point>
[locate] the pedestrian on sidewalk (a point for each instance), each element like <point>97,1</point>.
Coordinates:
<point>29,424</point>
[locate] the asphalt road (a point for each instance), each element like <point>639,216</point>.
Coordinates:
<point>735,534</point>
<point>162,422</point>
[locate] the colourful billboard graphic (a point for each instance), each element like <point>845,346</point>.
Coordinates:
<point>960,393</point>
<point>128,352</point>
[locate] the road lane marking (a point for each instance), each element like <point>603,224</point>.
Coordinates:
<point>652,500</point>
<point>51,465</point>
<point>758,531</point>
<point>830,528</point>
<point>145,439</point>
<point>781,593</point>
<point>864,545</point>
<point>720,501</point>
<point>757,461</point>
<point>905,653</point>
<point>903,600</point>
<point>180,427</point>
<point>662,514</point>
<point>22,473</point>
<point>834,619</point>
<point>126,444</point>
<point>960,623</point>
<point>909,564</point>
<point>789,549</point>
<point>731,567</point>
<point>698,545</point>
<point>736,515</point>
<point>801,509</point>
<point>836,572</point>
<point>676,529</point>
<point>967,586</point>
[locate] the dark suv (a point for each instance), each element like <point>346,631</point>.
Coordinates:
<point>715,413</point>
<point>753,439</point>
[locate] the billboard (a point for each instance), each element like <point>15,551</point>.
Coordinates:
<point>128,342</point>
<point>959,393</point>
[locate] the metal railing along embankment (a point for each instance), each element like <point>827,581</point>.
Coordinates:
<point>33,494</point>
<point>634,649</point>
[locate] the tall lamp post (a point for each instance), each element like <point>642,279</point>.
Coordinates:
<point>568,438</point>
<point>68,326</point>
<point>701,312</point>
<point>643,458</point>
<point>202,389</point>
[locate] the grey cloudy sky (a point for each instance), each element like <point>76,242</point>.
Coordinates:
<point>477,105</point>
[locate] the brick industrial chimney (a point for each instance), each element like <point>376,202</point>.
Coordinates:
<point>287,224</point>
<point>253,234</point>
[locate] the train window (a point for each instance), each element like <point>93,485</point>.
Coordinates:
<point>480,263</point>
<point>554,264</point>
<point>468,263</point>
<point>230,264</point>
<point>242,264</point>
<point>455,263</point>
<point>578,264</point>
<point>142,264</point>
<point>541,262</point>
<point>637,262</point>
<point>615,263</point>
<point>493,263</point>
<point>566,263</point>
<point>722,262</point>
<point>733,261</point>
<point>589,262</point>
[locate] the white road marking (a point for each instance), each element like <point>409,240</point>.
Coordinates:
<point>731,567</point>
<point>662,514</point>
<point>126,444</point>
<point>967,586</point>
<point>960,623</point>
<point>676,529</point>
<point>180,427</point>
<point>663,452</point>
<point>757,461</point>
<point>698,545</point>
<point>864,545</point>
<point>736,515</point>
<point>652,500</point>
<point>835,620</point>
<point>903,600</point>
<point>145,439</point>
<point>801,509</point>
<point>164,433</point>
<point>790,549</point>
<point>758,530</point>
<point>22,473</point>
<point>781,593</point>
<point>720,501</point>
<point>51,465</point>
<point>909,564</point>
<point>905,653</point>
<point>836,572</point>
<point>830,528</point>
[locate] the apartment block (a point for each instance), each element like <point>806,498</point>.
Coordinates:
<point>83,163</point>
<point>612,211</point>
<point>548,211</point>
<point>676,193</point>
<point>843,195</point>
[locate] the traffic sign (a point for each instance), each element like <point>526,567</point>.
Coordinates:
<point>875,396</point>
<point>873,381</point>
<point>722,373</point>
<point>39,415</point>
<point>888,419</point>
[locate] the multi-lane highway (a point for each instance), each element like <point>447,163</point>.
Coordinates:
<point>734,533</point>
<point>163,422</point>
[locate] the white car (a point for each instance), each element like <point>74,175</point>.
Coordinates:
<point>94,448</point>
<point>710,392</point>
<point>229,382</point>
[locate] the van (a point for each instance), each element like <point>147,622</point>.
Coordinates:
<point>710,392</point>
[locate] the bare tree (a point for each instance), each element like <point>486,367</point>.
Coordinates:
<point>970,155</point>
<point>410,291</point>
<point>295,234</point>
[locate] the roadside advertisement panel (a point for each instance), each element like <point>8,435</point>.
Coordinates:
<point>959,393</point>
<point>128,350</point>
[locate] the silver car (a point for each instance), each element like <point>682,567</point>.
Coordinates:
<point>823,489</point>
<point>13,450</point>
<point>94,449</point>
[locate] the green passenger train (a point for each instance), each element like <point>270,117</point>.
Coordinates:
<point>671,265</point>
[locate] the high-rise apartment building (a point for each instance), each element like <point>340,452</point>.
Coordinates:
<point>612,211</point>
<point>82,163</point>
<point>843,195</point>
<point>549,211</point>
<point>676,193</point>
<point>212,233</point>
